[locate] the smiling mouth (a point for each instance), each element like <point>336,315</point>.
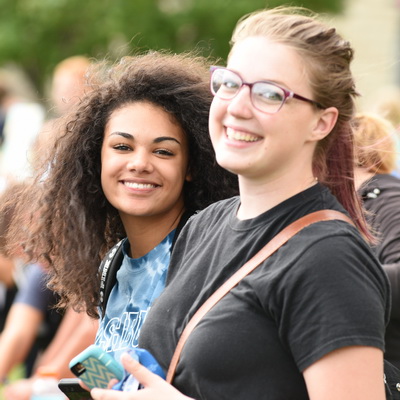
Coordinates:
<point>135,185</point>
<point>241,136</point>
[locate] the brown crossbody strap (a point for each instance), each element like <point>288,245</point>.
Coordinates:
<point>274,244</point>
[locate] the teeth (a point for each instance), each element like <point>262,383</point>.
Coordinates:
<point>244,137</point>
<point>135,185</point>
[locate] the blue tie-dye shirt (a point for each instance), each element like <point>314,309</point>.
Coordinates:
<point>139,282</point>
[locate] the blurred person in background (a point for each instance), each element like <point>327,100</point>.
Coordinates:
<point>35,299</point>
<point>30,325</point>
<point>30,319</point>
<point>387,105</point>
<point>375,160</point>
<point>23,119</point>
<point>15,96</point>
<point>66,90</point>
<point>11,268</point>
<point>68,83</point>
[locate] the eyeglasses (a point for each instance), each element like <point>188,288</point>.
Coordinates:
<point>265,96</point>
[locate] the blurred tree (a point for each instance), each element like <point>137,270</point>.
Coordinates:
<point>37,34</point>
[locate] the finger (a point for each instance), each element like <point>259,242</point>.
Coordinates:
<point>83,385</point>
<point>106,394</point>
<point>141,373</point>
<point>112,383</point>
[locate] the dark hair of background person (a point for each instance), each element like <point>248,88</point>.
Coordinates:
<point>72,224</point>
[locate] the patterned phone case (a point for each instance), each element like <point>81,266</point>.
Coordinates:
<point>96,368</point>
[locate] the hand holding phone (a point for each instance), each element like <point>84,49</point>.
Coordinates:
<point>73,390</point>
<point>96,368</point>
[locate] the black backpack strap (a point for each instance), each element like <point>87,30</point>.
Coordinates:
<point>108,269</point>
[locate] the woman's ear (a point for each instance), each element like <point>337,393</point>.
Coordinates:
<point>188,176</point>
<point>325,122</point>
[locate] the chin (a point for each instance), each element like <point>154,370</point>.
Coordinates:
<point>228,165</point>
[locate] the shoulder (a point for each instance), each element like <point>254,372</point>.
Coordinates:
<point>333,240</point>
<point>381,184</point>
<point>332,253</point>
<point>35,278</point>
<point>381,197</point>
<point>327,276</point>
<point>220,207</point>
<point>332,258</point>
<point>212,214</point>
<point>387,180</point>
<point>35,291</point>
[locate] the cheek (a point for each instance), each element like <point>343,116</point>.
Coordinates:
<point>103,178</point>
<point>104,169</point>
<point>175,175</point>
<point>179,175</point>
<point>217,112</point>
<point>109,168</point>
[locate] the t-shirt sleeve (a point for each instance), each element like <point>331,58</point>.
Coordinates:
<point>34,291</point>
<point>335,294</point>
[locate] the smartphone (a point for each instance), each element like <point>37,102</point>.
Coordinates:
<point>95,367</point>
<point>73,390</point>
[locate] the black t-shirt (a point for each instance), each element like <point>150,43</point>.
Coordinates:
<point>381,196</point>
<point>321,291</point>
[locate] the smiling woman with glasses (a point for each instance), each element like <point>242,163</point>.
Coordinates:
<point>266,96</point>
<point>309,321</point>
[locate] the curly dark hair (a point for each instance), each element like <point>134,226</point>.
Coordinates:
<point>72,224</point>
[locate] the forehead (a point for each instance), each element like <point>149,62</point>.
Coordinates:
<point>144,119</point>
<point>258,58</point>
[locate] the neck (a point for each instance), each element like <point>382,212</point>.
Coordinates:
<point>145,233</point>
<point>256,199</point>
<point>361,175</point>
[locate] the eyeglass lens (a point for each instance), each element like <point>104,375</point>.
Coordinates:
<point>265,96</point>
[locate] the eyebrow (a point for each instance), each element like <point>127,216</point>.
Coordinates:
<point>156,140</point>
<point>276,81</point>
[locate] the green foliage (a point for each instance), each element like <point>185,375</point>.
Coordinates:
<point>37,34</point>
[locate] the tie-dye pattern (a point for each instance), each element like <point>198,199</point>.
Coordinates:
<point>139,282</point>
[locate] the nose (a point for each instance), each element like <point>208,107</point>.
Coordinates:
<point>140,161</point>
<point>241,106</point>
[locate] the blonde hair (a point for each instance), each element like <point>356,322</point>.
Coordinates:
<point>375,148</point>
<point>69,83</point>
<point>75,65</point>
<point>326,58</point>
<point>324,52</point>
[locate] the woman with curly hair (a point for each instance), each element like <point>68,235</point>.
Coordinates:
<point>134,158</point>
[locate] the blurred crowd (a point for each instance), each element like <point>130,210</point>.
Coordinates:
<point>29,319</point>
<point>37,334</point>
